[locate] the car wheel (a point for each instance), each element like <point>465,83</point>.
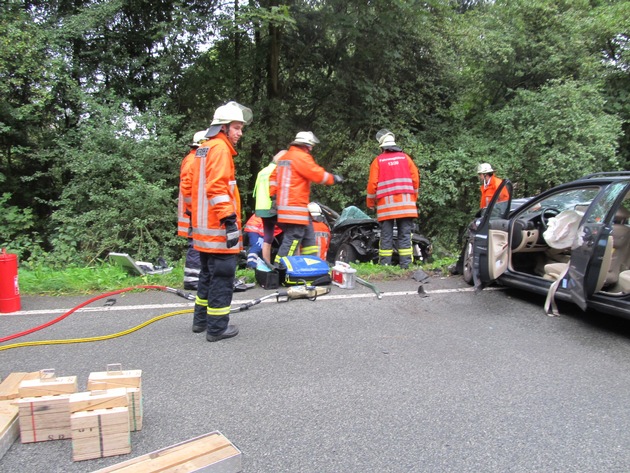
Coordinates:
<point>468,263</point>
<point>346,253</point>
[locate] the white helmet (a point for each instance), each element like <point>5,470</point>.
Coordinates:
<point>305,138</point>
<point>198,138</point>
<point>228,113</point>
<point>484,168</point>
<point>386,139</point>
<point>314,209</point>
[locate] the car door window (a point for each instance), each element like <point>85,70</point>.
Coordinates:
<point>603,205</point>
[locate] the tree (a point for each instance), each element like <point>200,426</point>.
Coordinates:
<point>555,135</point>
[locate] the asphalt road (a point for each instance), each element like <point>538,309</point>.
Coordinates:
<point>451,382</point>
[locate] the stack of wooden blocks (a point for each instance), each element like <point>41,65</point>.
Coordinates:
<point>9,425</point>
<point>131,380</point>
<point>44,407</point>
<point>98,421</point>
<point>100,424</point>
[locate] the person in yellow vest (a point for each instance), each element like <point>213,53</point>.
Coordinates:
<point>393,189</point>
<point>264,207</point>
<point>489,185</point>
<point>216,220</point>
<point>192,263</point>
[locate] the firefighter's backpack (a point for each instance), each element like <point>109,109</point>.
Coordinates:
<point>309,269</point>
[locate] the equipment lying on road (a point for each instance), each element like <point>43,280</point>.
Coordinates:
<point>139,268</point>
<point>179,292</point>
<point>363,282</point>
<point>211,452</point>
<point>293,270</point>
<point>298,292</point>
<point>284,295</point>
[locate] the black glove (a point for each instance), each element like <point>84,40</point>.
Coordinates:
<point>231,230</point>
<point>338,179</point>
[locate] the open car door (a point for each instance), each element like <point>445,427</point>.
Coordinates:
<point>492,243</point>
<point>591,260</point>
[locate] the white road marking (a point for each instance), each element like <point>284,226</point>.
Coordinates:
<point>237,302</point>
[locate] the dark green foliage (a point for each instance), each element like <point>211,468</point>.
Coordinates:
<point>120,190</point>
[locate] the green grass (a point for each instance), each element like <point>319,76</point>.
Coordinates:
<point>90,280</point>
<point>107,277</point>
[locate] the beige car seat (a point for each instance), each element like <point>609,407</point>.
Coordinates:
<point>621,246</point>
<point>617,260</point>
<point>624,282</point>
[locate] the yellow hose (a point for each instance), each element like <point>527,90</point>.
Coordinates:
<point>94,339</point>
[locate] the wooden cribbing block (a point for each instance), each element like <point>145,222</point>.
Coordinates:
<point>100,433</point>
<point>10,384</point>
<point>209,453</point>
<point>98,400</point>
<point>114,377</point>
<point>9,426</point>
<point>44,418</point>
<point>134,399</point>
<point>48,386</point>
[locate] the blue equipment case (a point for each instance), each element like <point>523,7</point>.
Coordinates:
<point>305,269</point>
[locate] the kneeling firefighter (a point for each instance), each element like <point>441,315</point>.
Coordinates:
<point>321,229</point>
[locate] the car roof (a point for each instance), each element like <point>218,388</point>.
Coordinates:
<point>607,176</point>
<point>595,178</point>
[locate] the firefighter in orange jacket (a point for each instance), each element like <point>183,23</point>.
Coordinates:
<point>393,189</point>
<point>290,183</point>
<point>254,231</point>
<point>321,228</point>
<point>489,185</point>
<point>192,264</point>
<point>216,219</point>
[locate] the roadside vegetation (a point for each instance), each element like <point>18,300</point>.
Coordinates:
<point>99,101</point>
<point>105,277</point>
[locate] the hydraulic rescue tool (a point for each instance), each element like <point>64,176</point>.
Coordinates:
<point>284,295</point>
<point>363,282</point>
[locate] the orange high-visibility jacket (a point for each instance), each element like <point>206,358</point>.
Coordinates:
<point>214,195</point>
<point>183,204</point>
<point>322,235</point>
<point>255,225</point>
<point>393,186</point>
<point>291,181</point>
<point>487,192</point>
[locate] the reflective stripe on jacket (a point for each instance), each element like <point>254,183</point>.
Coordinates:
<point>394,175</point>
<point>322,236</point>
<point>183,203</point>
<point>393,186</point>
<point>254,225</point>
<point>214,195</point>
<point>291,181</point>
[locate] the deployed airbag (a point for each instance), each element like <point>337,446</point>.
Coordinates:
<point>562,230</point>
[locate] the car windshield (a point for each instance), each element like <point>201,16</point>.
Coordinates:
<point>351,216</point>
<point>573,199</point>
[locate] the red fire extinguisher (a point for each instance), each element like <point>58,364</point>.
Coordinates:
<point>9,289</point>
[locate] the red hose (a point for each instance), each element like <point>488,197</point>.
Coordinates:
<point>61,317</point>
